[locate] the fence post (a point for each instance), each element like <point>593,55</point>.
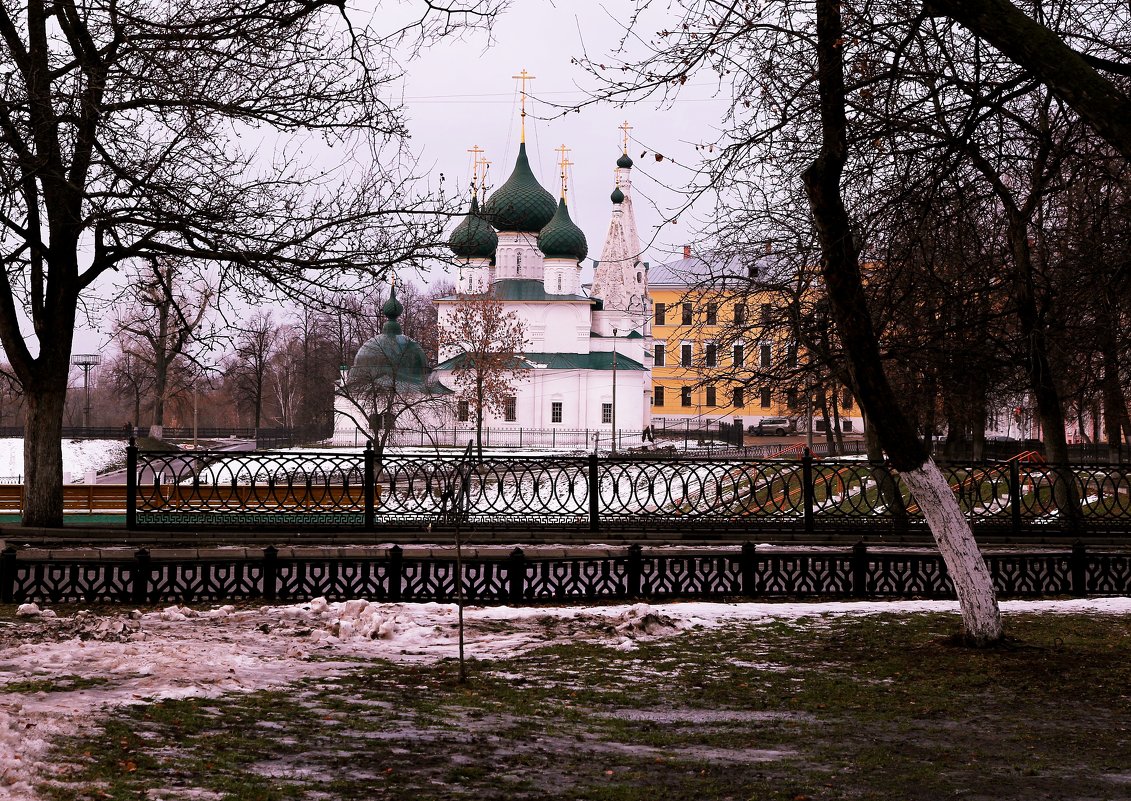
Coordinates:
<point>594,495</point>
<point>141,573</point>
<point>807,491</point>
<point>396,566</point>
<point>516,575</point>
<point>1078,566</point>
<point>131,484</point>
<point>1015,496</point>
<point>748,566</point>
<point>370,488</point>
<point>7,575</point>
<point>270,572</point>
<point>859,570</point>
<point>635,565</point>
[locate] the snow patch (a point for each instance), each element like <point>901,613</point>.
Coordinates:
<point>181,652</point>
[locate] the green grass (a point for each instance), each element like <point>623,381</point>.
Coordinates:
<point>884,707</point>
<point>53,684</point>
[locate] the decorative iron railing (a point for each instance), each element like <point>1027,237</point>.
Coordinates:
<point>344,489</point>
<point>518,578</point>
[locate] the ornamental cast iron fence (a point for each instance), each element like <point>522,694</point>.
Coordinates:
<point>517,578</point>
<point>357,490</point>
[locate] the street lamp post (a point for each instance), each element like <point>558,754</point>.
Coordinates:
<point>809,419</point>
<point>87,362</point>
<point>614,415</point>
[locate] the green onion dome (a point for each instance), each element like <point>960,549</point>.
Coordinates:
<point>617,196</point>
<point>390,359</point>
<point>561,239</point>
<point>520,204</point>
<point>474,238</point>
<point>392,310</point>
<point>624,162</point>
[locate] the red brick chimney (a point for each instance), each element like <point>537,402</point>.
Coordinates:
<point>687,251</point>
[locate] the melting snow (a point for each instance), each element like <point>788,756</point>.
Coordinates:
<point>183,652</point>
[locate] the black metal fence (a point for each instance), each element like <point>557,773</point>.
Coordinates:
<point>517,578</point>
<point>605,493</point>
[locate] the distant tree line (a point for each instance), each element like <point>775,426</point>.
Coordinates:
<point>266,369</point>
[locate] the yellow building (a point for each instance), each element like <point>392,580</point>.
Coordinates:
<point>705,360</point>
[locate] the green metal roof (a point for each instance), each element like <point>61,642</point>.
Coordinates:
<point>521,203</point>
<point>563,361</point>
<point>390,359</point>
<point>524,289</point>
<point>561,239</point>
<point>474,238</point>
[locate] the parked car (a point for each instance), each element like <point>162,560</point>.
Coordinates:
<point>777,426</point>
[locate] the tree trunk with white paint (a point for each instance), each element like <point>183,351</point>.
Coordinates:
<point>981,618</point>
<point>848,303</point>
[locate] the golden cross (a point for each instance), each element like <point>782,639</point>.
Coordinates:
<point>563,163</point>
<point>475,151</point>
<point>625,127</point>
<point>523,77</point>
<point>486,163</point>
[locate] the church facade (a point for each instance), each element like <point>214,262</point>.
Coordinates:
<point>588,351</point>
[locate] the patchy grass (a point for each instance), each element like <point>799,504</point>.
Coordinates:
<point>872,708</point>
<point>55,684</point>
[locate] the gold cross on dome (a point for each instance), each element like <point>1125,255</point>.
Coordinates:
<point>486,164</point>
<point>523,77</point>
<point>625,128</point>
<point>564,164</point>
<point>476,151</point>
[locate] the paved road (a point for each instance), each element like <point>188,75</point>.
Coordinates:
<point>180,462</point>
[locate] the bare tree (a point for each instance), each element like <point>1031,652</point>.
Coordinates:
<point>248,370</point>
<point>486,344</point>
<point>158,328</point>
<point>128,376</point>
<point>124,135</point>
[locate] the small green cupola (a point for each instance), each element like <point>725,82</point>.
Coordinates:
<point>561,239</point>
<point>392,310</point>
<point>474,238</point>
<point>625,161</point>
<point>617,196</point>
<point>521,203</point>
<point>390,359</point>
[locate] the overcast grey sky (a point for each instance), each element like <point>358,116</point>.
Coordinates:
<point>461,93</point>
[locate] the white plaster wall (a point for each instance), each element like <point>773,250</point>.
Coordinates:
<point>506,256</point>
<point>581,392</point>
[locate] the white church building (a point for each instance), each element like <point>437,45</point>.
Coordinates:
<point>588,350</point>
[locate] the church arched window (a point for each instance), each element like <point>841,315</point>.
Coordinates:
<point>518,262</point>
<point>559,282</point>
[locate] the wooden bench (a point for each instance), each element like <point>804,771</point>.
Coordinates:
<point>90,498</point>
<point>109,498</point>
